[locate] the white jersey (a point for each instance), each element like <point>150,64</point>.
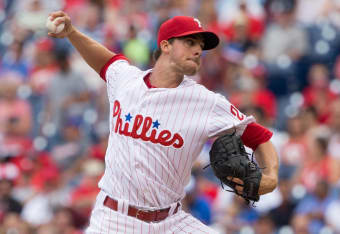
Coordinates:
<point>156,134</point>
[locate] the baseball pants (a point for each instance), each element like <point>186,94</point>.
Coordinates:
<point>107,221</point>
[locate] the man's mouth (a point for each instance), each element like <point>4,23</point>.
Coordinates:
<point>197,61</point>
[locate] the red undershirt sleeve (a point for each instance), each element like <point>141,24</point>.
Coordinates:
<point>254,135</point>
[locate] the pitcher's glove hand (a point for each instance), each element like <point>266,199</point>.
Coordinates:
<point>229,160</point>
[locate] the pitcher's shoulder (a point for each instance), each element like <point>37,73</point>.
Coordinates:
<point>199,87</point>
<point>205,92</point>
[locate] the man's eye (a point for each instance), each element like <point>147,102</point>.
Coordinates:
<point>190,42</point>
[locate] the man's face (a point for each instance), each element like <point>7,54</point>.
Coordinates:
<point>185,54</point>
<point>5,188</point>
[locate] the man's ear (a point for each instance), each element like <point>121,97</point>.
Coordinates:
<point>165,46</point>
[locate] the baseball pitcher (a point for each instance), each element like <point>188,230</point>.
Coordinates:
<point>159,121</point>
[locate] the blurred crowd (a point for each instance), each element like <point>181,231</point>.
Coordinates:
<point>278,60</point>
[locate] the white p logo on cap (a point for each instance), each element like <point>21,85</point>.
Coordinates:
<point>198,22</point>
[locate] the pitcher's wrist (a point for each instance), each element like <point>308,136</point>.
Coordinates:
<point>72,31</point>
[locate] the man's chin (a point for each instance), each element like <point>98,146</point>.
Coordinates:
<point>191,71</point>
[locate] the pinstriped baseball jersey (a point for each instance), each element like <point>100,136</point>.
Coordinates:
<point>156,134</point>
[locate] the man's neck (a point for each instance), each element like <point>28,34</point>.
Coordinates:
<point>164,77</point>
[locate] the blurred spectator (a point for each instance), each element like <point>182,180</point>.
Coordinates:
<point>9,171</point>
<point>53,193</point>
<point>94,84</point>
<point>182,7</point>
<point>14,60</point>
<point>84,194</point>
<point>13,146</point>
<point>252,92</point>
<point>244,29</point>
<point>98,150</point>
<point>67,95</point>
<point>307,13</point>
<point>332,10</point>
<point>282,215</point>
<point>32,16</point>
<point>294,151</point>
<point>310,119</point>
<point>43,169</point>
<point>15,121</point>
<point>264,225</point>
<point>70,148</point>
<point>236,215</point>
<point>230,75</point>
<point>282,46</point>
<point>47,229</point>
<point>24,188</point>
<point>334,123</point>
<point>318,93</point>
<point>228,10</point>
<point>300,224</point>
<point>136,49</point>
<point>323,37</point>
<point>290,39</point>
<point>42,71</point>
<point>207,14</point>
<point>13,110</point>
<point>331,214</point>
<point>65,222</point>
<point>211,75</point>
<point>43,67</point>
<point>92,21</point>
<point>239,40</point>
<point>14,224</point>
<point>318,165</point>
<point>205,187</point>
<point>314,206</point>
<point>268,202</point>
<point>197,204</point>
<point>7,203</point>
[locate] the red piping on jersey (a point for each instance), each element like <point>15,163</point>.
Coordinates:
<point>147,81</point>
<point>255,134</point>
<point>112,60</point>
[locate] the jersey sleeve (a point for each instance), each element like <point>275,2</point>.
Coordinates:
<point>111,69</point>
<point>116,71</point>
<point>225,116</point>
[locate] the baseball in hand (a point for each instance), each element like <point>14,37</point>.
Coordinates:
<point>51,25</point>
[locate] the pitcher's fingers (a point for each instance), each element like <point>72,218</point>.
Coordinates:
<point>236,180</point>
<point>51,34</point>
<point>239,189</point>
<point>60,20</point>
<point>54,35</point>
<point>56,14</point>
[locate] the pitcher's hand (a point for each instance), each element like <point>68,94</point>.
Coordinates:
<point>63,18</point>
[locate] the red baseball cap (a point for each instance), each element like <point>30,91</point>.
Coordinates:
<point>180,26</point>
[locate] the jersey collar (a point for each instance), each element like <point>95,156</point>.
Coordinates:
<point>147,81</point>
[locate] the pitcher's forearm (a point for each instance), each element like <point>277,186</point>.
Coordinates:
<point>95,54</point>
<point>267,158</point>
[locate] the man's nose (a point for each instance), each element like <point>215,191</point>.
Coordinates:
<point>197,51</point>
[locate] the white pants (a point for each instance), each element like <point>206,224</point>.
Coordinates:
<point>107,221</point>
